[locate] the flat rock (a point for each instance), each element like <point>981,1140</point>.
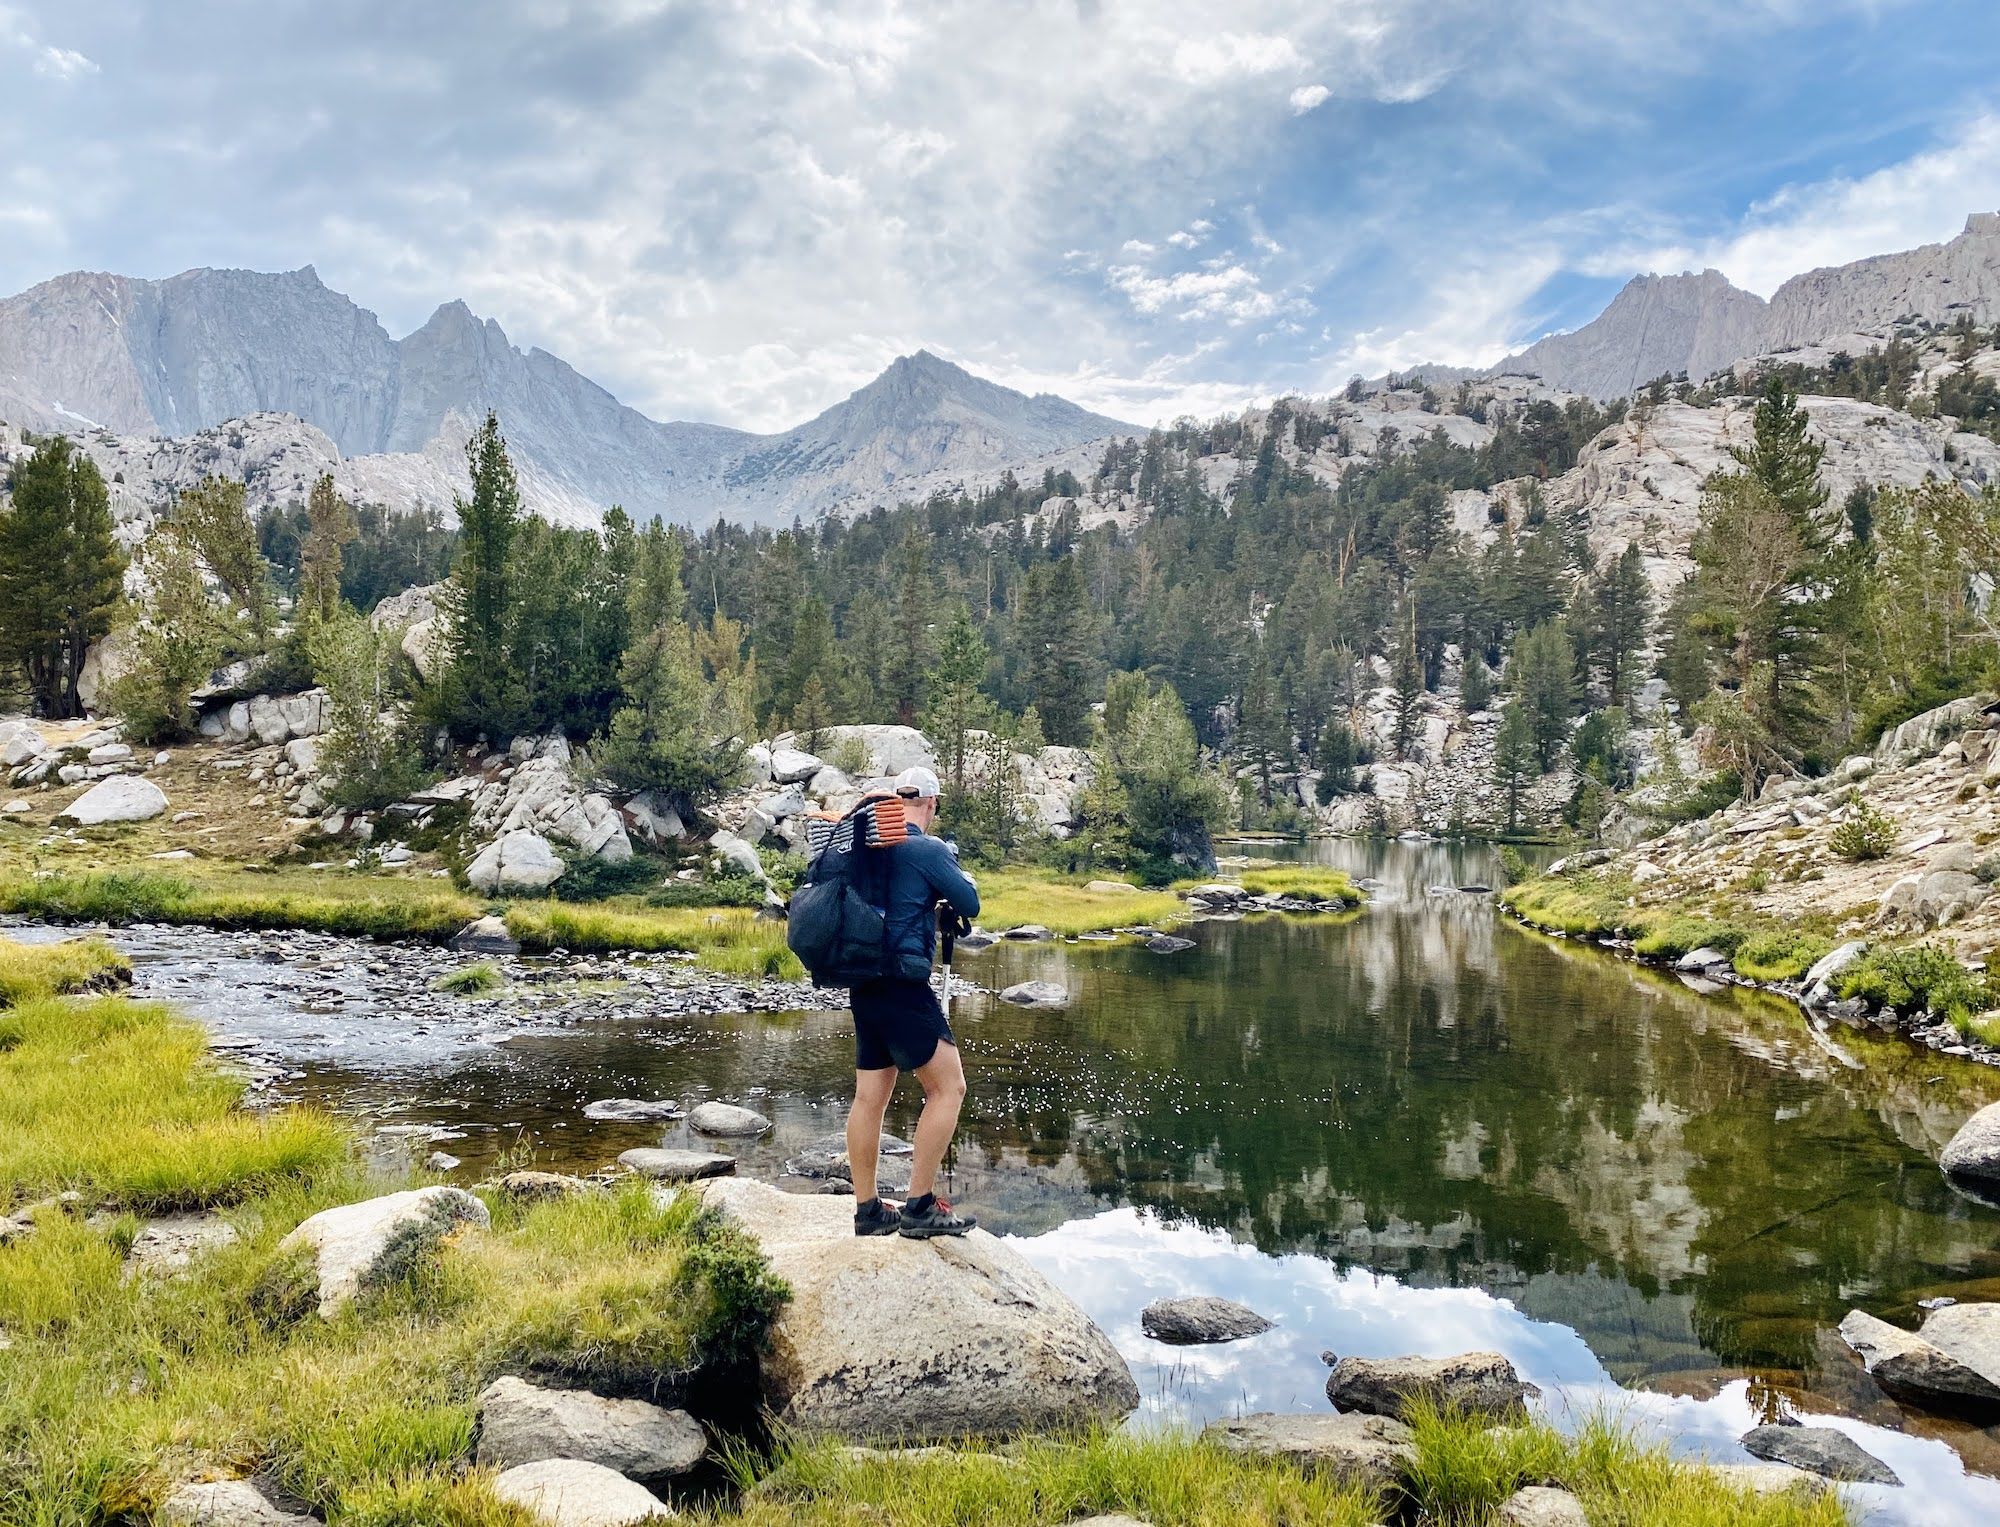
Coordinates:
<point>1975,1150</point>
<point>121,798</point>
<point>894,1341</point>
<point>170,1244</point>
<point>669,1165</point>
<point>1028,933</point>
<point>572,1492</point>
<point>1702,959</point>
<point>1766,1478</point>
<point>1110,887</point>
<point>1478,1383</point>
<point>225,1503</point>
<point>728,1121</point>
<point>1200,1320</point>
<point>521,1423</point>
<point>1911,1367</point>
<point>1050,994</point>
<point>1370,1452</point>
<point>1819,1450</point>
<point>1542,1506</point>
<point>631,1110</point>
<point>1167,943</point>
<point>359,1245</point>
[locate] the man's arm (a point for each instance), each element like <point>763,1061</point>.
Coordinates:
<point>943,875</point>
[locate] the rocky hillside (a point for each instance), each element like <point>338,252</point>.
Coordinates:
<point>1700,324</point>
<point>311,375</point>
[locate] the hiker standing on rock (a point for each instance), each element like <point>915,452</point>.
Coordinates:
<point>867,920</point>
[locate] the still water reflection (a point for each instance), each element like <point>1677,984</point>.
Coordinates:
<point>1415,1127</point>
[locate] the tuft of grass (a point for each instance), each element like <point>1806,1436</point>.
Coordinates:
<point>121,1101</point>
<point>45,970</point>
<point>1779,954</point>
<point>1670,937</point>
<point>1581,906</point>
<point>357,906</point>
<point>1009,898</point>
<point>471,980</point>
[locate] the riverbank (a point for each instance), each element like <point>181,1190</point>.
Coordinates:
<point>376,1415</point>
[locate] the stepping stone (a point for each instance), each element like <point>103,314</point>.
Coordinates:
<point>631,1110</point>
<point>1042,994</point>
<point>668,1165</point>
<point>521,1423</point>
<point>1478,1383</point>
<point>570,1492</point>
<point>727,1120</point>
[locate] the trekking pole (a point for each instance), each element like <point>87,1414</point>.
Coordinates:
<point>948,932</point>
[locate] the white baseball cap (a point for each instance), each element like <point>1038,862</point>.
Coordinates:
<point>917,783</point>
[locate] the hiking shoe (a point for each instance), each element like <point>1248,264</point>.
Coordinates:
<point>929,1216</point>
<point>877,1218</point>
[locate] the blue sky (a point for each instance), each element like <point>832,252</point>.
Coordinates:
<point>742,212</point>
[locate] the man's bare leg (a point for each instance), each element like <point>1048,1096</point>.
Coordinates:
<point>864,1127</point>
<point>944,1089</point>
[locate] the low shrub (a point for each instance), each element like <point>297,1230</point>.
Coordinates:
<point>1919,978</point>
<point>737,890</point>
<point>586,877</point>
<point>1864,834</point>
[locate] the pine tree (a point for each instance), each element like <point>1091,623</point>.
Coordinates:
<point>909,661</point>
<point>1336,757</point>
<point>482,694</point>
<point>957,706</point>
<point>1622,619</point>
<point>1543,675</point>
<point>1515,758</point>
<point>1263,740</point>
<point>1475,684</point>
<point>367,756</point>
<point>330,525</point>
<point>655,596</point>
<point>177,636</point>
<point>1056,629</point>
<point>812,657</point>
<point>61,572</point>
<point>672,735</point>
<point>1406,676</point>
<point>218,527</point>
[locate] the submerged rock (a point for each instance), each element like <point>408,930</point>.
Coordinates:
<point>1036,994</point>
<point>1819,1450</point>
<point>359,1245</point>
<point>1200,1320</point>
<point>1975,1150</point>
<point>1478,1383</point>
<point>521,1423</point>
<point>571,1492</point>
<point>892,1340</point>
<point>1167,943</point>
<point>676,1166</point>
<point>728,1121</point>
<point>631,1110</point>
<point>1369,1452</point>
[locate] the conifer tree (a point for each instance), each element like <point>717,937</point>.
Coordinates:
<point>330,525</point>
<point>1515,758</point>
<point>957,707</point>
<point>218,527</point>
<point>1055,629</point>
<point>1543,675</point>
<point>1406,675</point>
<point>480,692</point>
<point>909,661</point>
<point>1621,620</point>
<point>61,572</point>
<point>177,635</point>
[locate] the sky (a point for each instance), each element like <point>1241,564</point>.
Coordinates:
<point>741,212</point>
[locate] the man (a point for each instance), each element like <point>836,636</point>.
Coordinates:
<point>900,1026</point>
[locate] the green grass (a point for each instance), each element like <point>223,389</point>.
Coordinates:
<point>1580,906</point>
<point>1313,881</point>
<point>1669,936</point>
<point>729,939</point>
<point>122,1102</point>
<point>41,970</point>
<point>471,980</point>
<point>1013,897</point>
<point>1464,1470</point>
<point>1780,954</point>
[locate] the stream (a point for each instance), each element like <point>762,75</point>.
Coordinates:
<point>1419,1128</point>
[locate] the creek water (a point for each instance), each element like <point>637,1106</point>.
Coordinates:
<point>1418,1128</point>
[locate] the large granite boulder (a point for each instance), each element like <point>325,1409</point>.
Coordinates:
<point>1477,1383</point>
<point>515,861</point>
<point>121,798</point>
<point>1969,1334</point>
<point>521,1423</point>
<point>573,1492</point>
<point>1914,1368</point>
<point>1975,1150</point>
<point>894,1340</point>
<point>886,750</point>
<point>1369,1452</point>
<point>1818,1450</point>
<point>357,1246</point>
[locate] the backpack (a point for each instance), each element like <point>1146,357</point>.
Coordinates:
<point>837,922</point>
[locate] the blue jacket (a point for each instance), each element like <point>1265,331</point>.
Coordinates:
<point>922,872</point>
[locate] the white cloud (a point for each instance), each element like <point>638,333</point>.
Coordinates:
<point>1922,200</point>
<point>62,63</point>
<point>1233,56</point>
<point>44,58</point>
<point>1217,290</point>
<point>1307,97</point>
<point>1194,234</point>
<point>1467,314</point>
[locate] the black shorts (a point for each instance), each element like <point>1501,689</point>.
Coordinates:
<point>896,1023</point>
